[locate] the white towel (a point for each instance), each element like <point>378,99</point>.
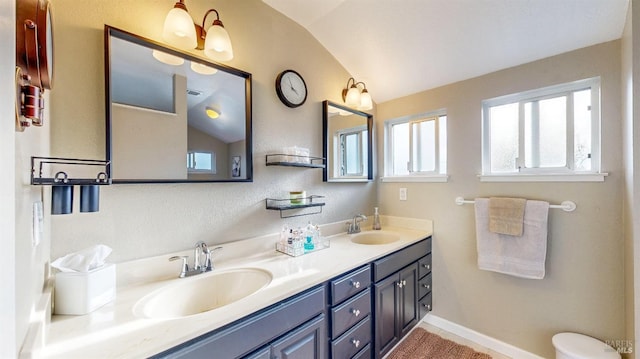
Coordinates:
<point>521,256</point>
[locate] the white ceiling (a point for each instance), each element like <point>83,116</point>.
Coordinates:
<point>400,47</point>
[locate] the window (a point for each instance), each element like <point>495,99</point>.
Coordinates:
<point>416,148</point>
<point>353,151</point>
<point>551,131</point>
<point>201,162</point>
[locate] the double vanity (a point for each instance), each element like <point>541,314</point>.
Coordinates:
<point>355,299</point>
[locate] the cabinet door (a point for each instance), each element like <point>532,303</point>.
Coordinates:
<point>408,299</point>
<point>386,328</point>
<point>307,342</point>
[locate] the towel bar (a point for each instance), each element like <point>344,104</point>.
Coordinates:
<point>567,206</point>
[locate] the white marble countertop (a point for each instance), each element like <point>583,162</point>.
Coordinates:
<point>114,331</point>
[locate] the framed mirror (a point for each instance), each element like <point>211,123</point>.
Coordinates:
<point>174,117</point>
<point>347,144</point>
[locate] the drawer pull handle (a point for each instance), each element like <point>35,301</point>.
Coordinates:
<point>355,342</point>
<point>428,306</point>
<point>355,311</point>
<point>402,283</point>
<point>426,286</point>
<point>355,284</point>
<point>428,266</point>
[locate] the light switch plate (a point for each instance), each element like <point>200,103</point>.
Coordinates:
<point>403,194</point>
<point>38,223</point>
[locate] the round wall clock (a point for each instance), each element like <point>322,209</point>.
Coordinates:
<point>291,88</point>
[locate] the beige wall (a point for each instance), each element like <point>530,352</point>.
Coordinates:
<point>583,289</point>
<point>144,220</point>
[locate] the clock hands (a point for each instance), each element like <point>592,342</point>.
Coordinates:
<point>292,88</point>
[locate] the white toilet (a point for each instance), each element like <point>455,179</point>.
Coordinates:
<point>578,346</point>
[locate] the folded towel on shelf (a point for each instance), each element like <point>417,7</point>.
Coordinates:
<point>506,215</point>
<point>522,256</point>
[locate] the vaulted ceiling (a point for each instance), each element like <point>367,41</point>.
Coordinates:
<point>400,47</point>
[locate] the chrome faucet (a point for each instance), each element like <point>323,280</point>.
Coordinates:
<point>202,262</point>
<point>354,225</point>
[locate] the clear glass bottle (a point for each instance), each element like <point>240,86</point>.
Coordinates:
<point>376,219</point>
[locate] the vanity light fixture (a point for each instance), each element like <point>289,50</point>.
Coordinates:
<point>180,31</point>
<point>356,98</point>
<point>167,58</point>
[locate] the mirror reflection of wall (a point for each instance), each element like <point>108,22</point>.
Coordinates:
<point>347,144</point>
<point>174,117</point>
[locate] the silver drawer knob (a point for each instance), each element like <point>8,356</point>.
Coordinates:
<point>355,311</point>
<point>355,284</point>
<point>355,342</point>
<point>426,286</point>
<point>399,284</point>
<point>428,306</point>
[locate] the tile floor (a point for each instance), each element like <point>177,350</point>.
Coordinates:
<point>460,340</point>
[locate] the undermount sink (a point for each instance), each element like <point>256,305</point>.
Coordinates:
<point>201,293</point>
<point>374,237</point>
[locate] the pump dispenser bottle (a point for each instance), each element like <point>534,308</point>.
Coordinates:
<point>376,219</point>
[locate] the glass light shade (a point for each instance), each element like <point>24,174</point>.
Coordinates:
<point>217,44</point>
<point>213,114</point>
<point>203,69</point>
<point>365,101</point>
<point>353,97</point>
<point>166,58</point>
<point>179,30</point>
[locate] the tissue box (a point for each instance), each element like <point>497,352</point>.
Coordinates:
<point>79,293</point>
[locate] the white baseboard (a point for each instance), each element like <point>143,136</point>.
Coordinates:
<point>484,340</point>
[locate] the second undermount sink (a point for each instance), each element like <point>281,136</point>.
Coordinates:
<point>202,293</point>
<point>374,237</point>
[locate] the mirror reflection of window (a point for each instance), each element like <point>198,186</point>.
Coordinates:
<point>201,162</point>
<point>353,151</point>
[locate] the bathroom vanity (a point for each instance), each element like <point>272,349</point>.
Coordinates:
<point>351,300</point>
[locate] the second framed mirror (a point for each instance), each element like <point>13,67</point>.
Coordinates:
<point>347,144</point>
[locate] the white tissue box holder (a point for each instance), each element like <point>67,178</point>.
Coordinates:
<point>78,293</point>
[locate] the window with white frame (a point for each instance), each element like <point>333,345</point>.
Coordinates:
<point>201,162</point>
<point>416,147</point>
<point>549,131</point>
<point>353,154</point>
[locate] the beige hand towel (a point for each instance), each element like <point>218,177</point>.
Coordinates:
<point>522,256</point>
<point>506,215</point>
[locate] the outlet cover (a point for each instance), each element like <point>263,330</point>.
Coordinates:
<point>403,194</point>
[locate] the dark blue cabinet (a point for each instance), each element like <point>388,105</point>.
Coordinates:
<point>397,295</point>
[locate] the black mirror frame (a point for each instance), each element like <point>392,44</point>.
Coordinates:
<point>110,31</point>
<point>325,141</point>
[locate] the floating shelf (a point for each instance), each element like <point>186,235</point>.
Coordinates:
<point>286,205</point>
<point>280,159</point>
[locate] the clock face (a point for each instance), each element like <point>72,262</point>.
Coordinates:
<point>291,88</point>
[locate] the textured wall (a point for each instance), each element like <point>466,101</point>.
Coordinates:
<point>144,220</point>
<point>584,287</point>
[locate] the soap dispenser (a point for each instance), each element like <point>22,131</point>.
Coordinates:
<point>376,219</point>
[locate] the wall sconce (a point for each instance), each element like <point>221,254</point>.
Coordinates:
<point>63,186</point>
<point>180,31</point>
<point>355,98</point>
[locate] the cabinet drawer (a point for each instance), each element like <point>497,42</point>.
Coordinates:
<point>352,341</point>
<point>352,283</point>
<point>365,353</point>
<point>349,313</point>
<point>424,286</point>
<point>392,263</point>
<point>424,265</point>
<point>425,305</point>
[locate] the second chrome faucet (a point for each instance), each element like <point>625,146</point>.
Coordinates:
<point>353,226</point>
<point>202,261</point>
